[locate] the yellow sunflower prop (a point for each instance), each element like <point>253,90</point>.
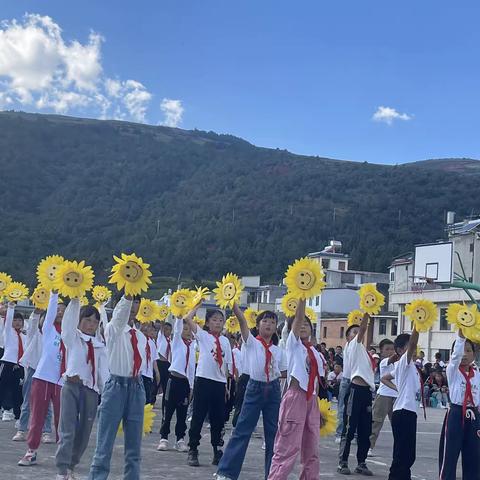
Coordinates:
<point>40,297</point>
<point>131,273</point>
<point>472,333</point>
<point>355,317</point>
<point>289,305</point>
<point>200,293</point>
<point>5,281</point>
<point>84,301</point>
<point>251,317</point>
<point>163,312</point>
<point>232,325</point>
<point>101,294</point>
<point>462,316</point>
<point>311,314</point>
<point>228,291</point>
<point>16,292</point>
<point>304,279</point>
<point>47,270</point>
<point>328,418</point>
<point>73,279</point>
<point>371,300</point>
<point>199,321</point>
<point>147,311</point>
<point>422,313</point>
<point>181,302</point>
<point>148,419</point>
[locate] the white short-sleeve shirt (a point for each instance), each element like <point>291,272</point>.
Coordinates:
<point>407,381</point>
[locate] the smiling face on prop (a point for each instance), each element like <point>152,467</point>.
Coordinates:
<point>466,317</point>
<point>229,290</point>
<point>132,271</point>
<point>305,279</point>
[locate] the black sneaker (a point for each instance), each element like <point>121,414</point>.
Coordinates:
<point>192,458</point>
<point>216,457</point>
<point>362,469</point>
<point>343,469</point>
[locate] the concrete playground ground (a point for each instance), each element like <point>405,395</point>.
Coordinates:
<point>172,465</point>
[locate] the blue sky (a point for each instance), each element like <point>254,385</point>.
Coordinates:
<point>306,76</point>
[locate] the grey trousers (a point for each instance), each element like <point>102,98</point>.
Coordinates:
<point>78,409</point>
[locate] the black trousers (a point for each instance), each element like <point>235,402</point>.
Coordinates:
<point>177,397</point>
<point>241,387</point>
<point>208,397</point>
<point>163,367</point>
<point>359,421</point>
<point>149,385</point>
<point>11,376</point>
<point>460,435</point>
<point>404,427</point>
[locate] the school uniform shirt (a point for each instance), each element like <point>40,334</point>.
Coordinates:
<point>119,341</point>
<point>255,357</point>
<point>48,368</point>
<point>11,339</point>
<point>298,365</point>
<point>360,363</point>
<point>346,361</point>
<point>455,379</point>
<point>151,356</point>
<point>237,360</point>
<point>386,368</point>
<point>407,381</point>
<point>180,353</point>
<point>2,329</point>
<point>92,374</point>
<point>33,349</point>
<point>208,366</point>
<point>163,349</point>
<point>333,377</point>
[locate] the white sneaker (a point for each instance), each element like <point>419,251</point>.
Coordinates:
<point>163,445</point>
<point>8,416</point>
<point>264,446</point>
<point>20,436</point>
<point>370,453</point>
<point>71,475</point>
<point>62,477</point>
<point>338,440</point>
<point>17,424</point>
<point>47,438</point>
<point>181,446</point>
<point>29,459</point>
<point>216,476</point>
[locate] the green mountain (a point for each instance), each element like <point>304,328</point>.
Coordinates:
<point>202,204</point>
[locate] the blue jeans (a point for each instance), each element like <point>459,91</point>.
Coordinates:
<point>344,388</point>
<point>25,412</point>
<point>123,399</point>
<point>259,397</point>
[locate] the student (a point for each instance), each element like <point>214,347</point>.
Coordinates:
<point>209,391</point>
<point>179,386</point>
<point>386,396</point>
<point>47,380</point>
<point>359,406</point>
<point>150,372</point>
<point>438,364</point>
<point>238,356</point>
<point>462,421</point>
<point>123,397</point>
<point>85,376</point>
<point>11,372</point>
<point>299,424</point>
<point>404,418</point>
<point>266,363</point>
<point>164,345</point>
<point>334,379</point>
<point>231,382</point>
<point>29,362</point>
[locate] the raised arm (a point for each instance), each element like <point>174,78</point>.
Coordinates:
<point>8,332</point>
<point>242,321</point>
<point>412,345</point>
<point>299,318</point>
<point>177,331</point>
<point>191,315</point>
<point>120,315</point>
<point>32,325</point>
<point>70,321</point>
<point>458,351</point>
<point>51,312</point>
<point>363,327</point>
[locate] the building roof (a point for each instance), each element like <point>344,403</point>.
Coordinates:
<point>464,227</point>
<point>329,254</point>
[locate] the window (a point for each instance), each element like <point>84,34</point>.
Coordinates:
<point>317,301</point>
<point>394,327</point>
<point>445,354</point>
<point>342,265</point>
<point>325,263</point>
<point>382,326</point>
<point>444,325</point>
<point>310,302</point>
<point>324,332</point>
<point>342,332</point>
<point>392,276</point>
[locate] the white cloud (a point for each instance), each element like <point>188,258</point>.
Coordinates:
<point>173,111</point>
<point>388,115</point>
<point>40,69</point>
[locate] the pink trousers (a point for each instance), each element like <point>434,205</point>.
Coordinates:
<point>298,431</point>
<point>41,393</point>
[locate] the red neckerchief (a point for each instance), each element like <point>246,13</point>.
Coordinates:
<point>218,351</point>
<point>268,355</point>
<point>314,372</point>
<point>148,352</point>
<point>91,358</point>
<point>468,397</point>
<point>20,346</point>
<point>169,349</point>
<point>372,361</point>
<point>421,390</point>
<point>63,362</point>
<point>187,356</point>
<point>137,358</point>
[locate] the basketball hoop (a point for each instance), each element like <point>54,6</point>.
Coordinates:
<point>420,283</point>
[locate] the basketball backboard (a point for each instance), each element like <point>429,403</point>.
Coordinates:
<point>434,262</point>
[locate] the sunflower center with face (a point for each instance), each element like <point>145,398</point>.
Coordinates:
<point>15,293</point>
<point>370,300</point>
<point>147,311</point>
<point>292,304</point>
<point>229,290</point>
<point>163,312</point>
<point>3,285</point>
<point>72,279</point>
<point>52,271</point>
<point>420,315</point>
<point>132,271</point>
<point>466,318</point>
<point>41,295</point>
<point>181,301</point>
<point>305,279</point>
